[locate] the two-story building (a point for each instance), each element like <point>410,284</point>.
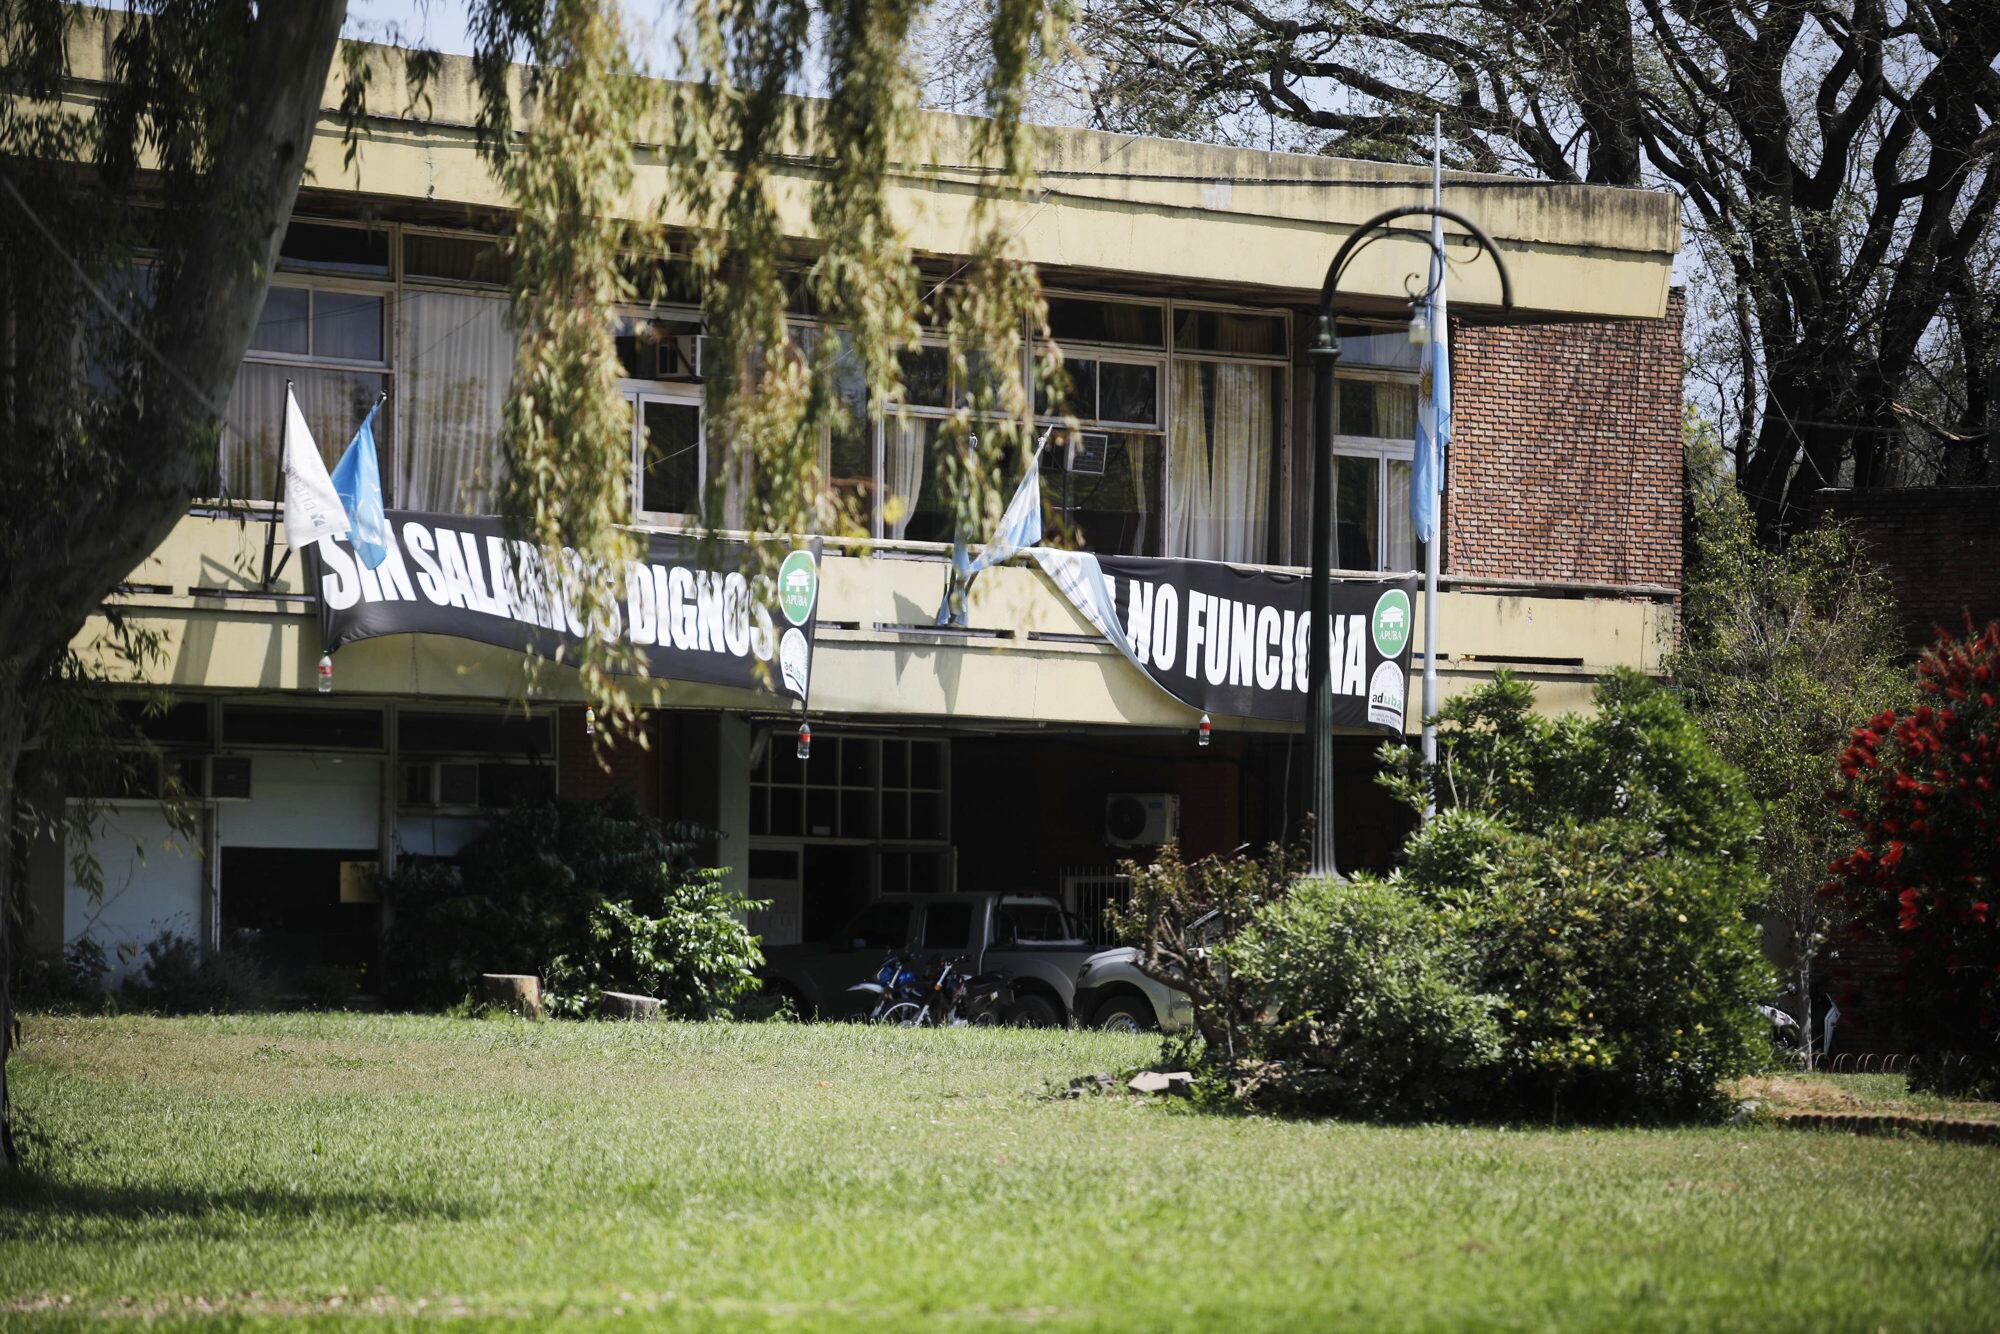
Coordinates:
<point>1181,280</point>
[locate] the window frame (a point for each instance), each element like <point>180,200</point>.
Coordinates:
<point>1384,450</point>
<point>637,393</point>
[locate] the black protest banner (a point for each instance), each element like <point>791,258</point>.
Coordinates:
<point>1233,641</point>
<point>463,577</point>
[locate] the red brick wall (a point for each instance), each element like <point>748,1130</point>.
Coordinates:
<point>1939,546</point>
<point>1566,451</point>
<point>632,770</point>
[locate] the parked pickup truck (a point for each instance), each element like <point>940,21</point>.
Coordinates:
<point>1032,938</point>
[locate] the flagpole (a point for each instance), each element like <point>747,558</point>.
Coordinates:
<point>271,528</point>
<point>1431,548</point>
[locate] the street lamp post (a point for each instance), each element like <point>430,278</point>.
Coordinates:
<point>1325,356</point>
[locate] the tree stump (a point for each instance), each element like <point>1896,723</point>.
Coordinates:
<point>520,993</point>
<point>625,1005</point>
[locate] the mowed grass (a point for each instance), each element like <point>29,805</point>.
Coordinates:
<point>400,1169</point>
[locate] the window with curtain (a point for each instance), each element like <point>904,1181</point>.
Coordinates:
<point>457,363</point>
<point>847,444</point>
<point>331,344</point>
<point>1110,501</point>
<point>1221,438</point>
<point>1374,429</point>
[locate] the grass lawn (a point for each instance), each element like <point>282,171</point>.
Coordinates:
<point>775,1176</point>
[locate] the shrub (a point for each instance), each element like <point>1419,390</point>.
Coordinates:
<point>1924,794</point>
<point>698,956</point>
<point>1599,871</point>
<point>1365,1013</point>
<point>1568,935</point>
<point>1177,913</point>
<point>71,981</point>
<point>529,892</point>
<point>1624,978</point>
<point>179,978</point>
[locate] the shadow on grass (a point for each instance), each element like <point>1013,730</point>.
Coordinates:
<point>31,1201</point>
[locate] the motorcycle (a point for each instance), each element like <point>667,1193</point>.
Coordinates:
<point>895,984</point>
<point>941,994</point>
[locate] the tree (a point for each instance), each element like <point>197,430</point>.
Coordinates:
<point>137,237</point>
<point>1836,164</point>
<point>1781,654</point>
<point>1920,783</point>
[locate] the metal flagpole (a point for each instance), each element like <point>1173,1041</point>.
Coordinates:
<point>1438,351</point>
<point>271,528</point>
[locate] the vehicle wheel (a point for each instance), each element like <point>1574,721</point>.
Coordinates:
<point>1033,1012</point>
<point>1125,1014</point>
<point>908,1014</point>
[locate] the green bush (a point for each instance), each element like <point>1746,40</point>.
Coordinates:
<point>698,956</point>
<point>178,977</point>
<point>1364,1010</point>
<point>1600,871</point>
<point>1567,936</point>
<point>69,982</point>
<point>1624,977</point>
<point>528,892</point>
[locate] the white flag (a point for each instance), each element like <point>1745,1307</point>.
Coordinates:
<point>312,507</point>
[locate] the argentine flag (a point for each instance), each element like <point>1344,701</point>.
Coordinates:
<point>357,478</point>
<point>1020,529</point>
<point>1433,406</point>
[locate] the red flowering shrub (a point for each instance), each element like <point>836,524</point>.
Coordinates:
<point>1924,793</point>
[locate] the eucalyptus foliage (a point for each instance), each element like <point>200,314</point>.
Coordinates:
<point>188,158</point>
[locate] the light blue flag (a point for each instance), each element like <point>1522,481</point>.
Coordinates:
<point>1020,529</point>
<point>357,480</point>
<point>1433,422</point>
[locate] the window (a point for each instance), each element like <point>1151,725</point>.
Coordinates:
<point>1125,323</point>
<point>1375,427</point>
<point>661,359</point>
<point>334,247</point>
<point>330,344</point>
<point>847,446</point>
<point>1188,441</point>
<point>880,926</point>
<point>1221,449</point>
<point>456,257</point>
<point>457,364</point>
<point>947,928</point>
<point>1018,922</point>
<point>1374,422</point>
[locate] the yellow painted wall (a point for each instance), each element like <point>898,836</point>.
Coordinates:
<point>1118,205</point>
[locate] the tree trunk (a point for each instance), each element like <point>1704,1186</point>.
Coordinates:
<point>520,993</point>
<point>12,720</point>
<point>76,543</point>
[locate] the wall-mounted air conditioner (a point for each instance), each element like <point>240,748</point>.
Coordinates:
<point>1141,819</point>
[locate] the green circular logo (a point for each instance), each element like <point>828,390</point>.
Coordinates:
<point>798,586</point>
<point>1391,624</point>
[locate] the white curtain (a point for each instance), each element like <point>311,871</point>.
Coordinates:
<point>334,404</point>
<point>1402,536</point>
<point>903,462</point>
<point>1219,461</point>
<point>458,361</point>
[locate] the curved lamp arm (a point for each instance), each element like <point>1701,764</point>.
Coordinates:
<point>1365,235</point>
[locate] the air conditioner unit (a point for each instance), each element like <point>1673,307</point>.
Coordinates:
<point>216,777</point>
<point>1141,819</point>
